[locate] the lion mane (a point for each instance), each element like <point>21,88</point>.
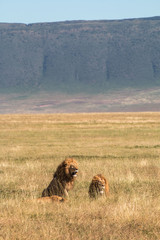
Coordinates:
<point>63,179</point>
<point>98,187</point>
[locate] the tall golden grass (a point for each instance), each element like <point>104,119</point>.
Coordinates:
<point>124,147</point>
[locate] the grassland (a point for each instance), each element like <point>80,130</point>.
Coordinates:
<point>125,147</point>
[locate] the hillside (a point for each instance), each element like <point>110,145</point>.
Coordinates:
<point>80,53</point>
<point>77,57</point>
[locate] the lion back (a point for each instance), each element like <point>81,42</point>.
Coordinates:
<point>62,172</point>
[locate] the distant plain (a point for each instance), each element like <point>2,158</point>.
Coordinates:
<point>122,100</point>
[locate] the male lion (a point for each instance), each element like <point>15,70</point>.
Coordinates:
<point>98,187</point>
<point>63,179</point>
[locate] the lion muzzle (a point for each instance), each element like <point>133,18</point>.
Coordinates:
<point>74,174</point>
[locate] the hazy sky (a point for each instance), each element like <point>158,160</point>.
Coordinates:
<point>32,11</point>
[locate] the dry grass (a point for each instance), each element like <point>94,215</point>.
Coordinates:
<point>123,147</point>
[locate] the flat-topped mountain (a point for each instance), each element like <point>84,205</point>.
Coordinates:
<point>80,66</point>
<point>80,56</point>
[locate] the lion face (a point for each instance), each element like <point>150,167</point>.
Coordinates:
<point>71,167</point>
<point>101,186</point>
<point>73,171</point>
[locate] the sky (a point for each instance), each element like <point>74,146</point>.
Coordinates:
<point>34,11</point>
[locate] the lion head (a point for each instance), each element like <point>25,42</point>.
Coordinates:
<point>99,186</point>
<point>67,170</point>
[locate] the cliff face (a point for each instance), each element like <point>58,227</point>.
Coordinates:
<point>80,55</point>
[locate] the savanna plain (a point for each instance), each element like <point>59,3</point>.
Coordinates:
<point>124,147</point>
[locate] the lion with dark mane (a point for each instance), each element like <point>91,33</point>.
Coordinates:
<point>63,179</point>
<point>98,187</point>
